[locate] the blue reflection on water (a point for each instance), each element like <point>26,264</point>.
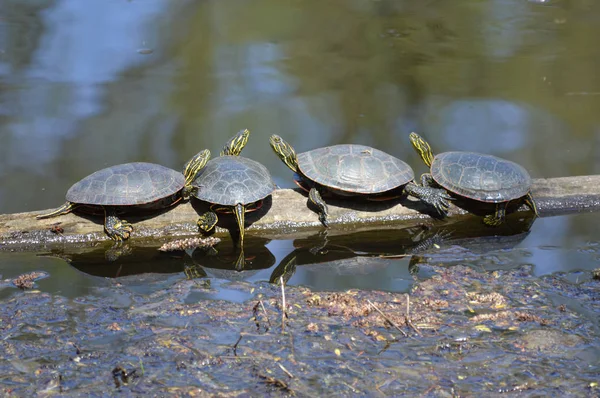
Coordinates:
<point>481,124</point>
<point>91,42</point>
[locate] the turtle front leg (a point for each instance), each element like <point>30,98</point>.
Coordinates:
<point>207,221</point>
<point>117,229</point>
<point>531,203</point>
<point>315,198</point>
<point>494,220</point>
<point>435,197</point>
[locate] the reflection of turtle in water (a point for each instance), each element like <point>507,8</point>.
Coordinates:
<point>354,170</point>
<point>476,176</point>
<point>356,253</point>
<point>471,241</point>
<point>127,187</point>
<point>232,184</point>
<point>363,252</point>
<point>227,264</point>
<point>335,269</point>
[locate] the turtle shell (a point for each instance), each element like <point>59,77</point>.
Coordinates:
<point>485,178</point>
<point>127,185</point>
<point>229,180</point>
<point>355,169</point>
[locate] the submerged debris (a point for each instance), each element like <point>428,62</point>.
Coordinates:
<point>189,243</point>
<point>121,376</point>
<point>276,383</point>
<point>25,281</point>
<point>173,338</point>
<point>57,229</point>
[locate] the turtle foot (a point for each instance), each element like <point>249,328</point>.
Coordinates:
<point>440,200</point>
<point>207,221</point>
<point>323,219</point>
<point>119,230</point>
<point>437,198</point>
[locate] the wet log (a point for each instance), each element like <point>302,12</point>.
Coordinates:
<point>285,214</point>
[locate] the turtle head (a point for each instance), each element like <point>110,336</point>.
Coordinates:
<point>422,148</point>
<point>285,152</point>
<point>192,168</point>
<point>235,145</point>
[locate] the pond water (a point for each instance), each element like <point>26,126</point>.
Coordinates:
<point>89,84</point>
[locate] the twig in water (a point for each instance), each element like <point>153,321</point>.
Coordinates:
<point>255,315</point>
<point>392,256</point>
<point>265,311</point>
<point>280,384</point>
<point>141,365</point>
<point>287,372</point>
<point>387,319</point>
<point>284,312</point>
<point>236,345</point>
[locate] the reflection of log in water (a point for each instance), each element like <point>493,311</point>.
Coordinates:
<point>113,262</point>
<point>287,214</point>
<point>357,253</point>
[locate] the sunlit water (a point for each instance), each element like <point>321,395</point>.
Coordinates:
<point>85,85</point>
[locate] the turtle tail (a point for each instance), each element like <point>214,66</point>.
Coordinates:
<point>239,211</point>
<point>64,209</point>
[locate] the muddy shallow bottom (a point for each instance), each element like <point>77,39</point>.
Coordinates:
<point>457,332</point>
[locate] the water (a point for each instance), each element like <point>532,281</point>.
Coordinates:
<point>86,85</point>
<point>89,86</point>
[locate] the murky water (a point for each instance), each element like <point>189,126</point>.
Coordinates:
<point>85,86</point>
<point>88,84</point>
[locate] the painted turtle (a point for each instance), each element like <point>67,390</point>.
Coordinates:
<point>232,184</point>
<point>121,188</point>
<point>476,176</point>
<point>353,170</point>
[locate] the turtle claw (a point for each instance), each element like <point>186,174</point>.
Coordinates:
<point>315,198</point>
<point>440,200</point>
<point>120,231</point>
<point>207,221</point>
<point>323,219</point>
<point>435,197</point>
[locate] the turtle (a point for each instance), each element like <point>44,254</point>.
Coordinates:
<point>354,170</point>
<point>231,183</point>
<point>125,187</point>
<point>477,176</point>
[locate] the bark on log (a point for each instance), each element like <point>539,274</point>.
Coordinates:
<point>284,214</point>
